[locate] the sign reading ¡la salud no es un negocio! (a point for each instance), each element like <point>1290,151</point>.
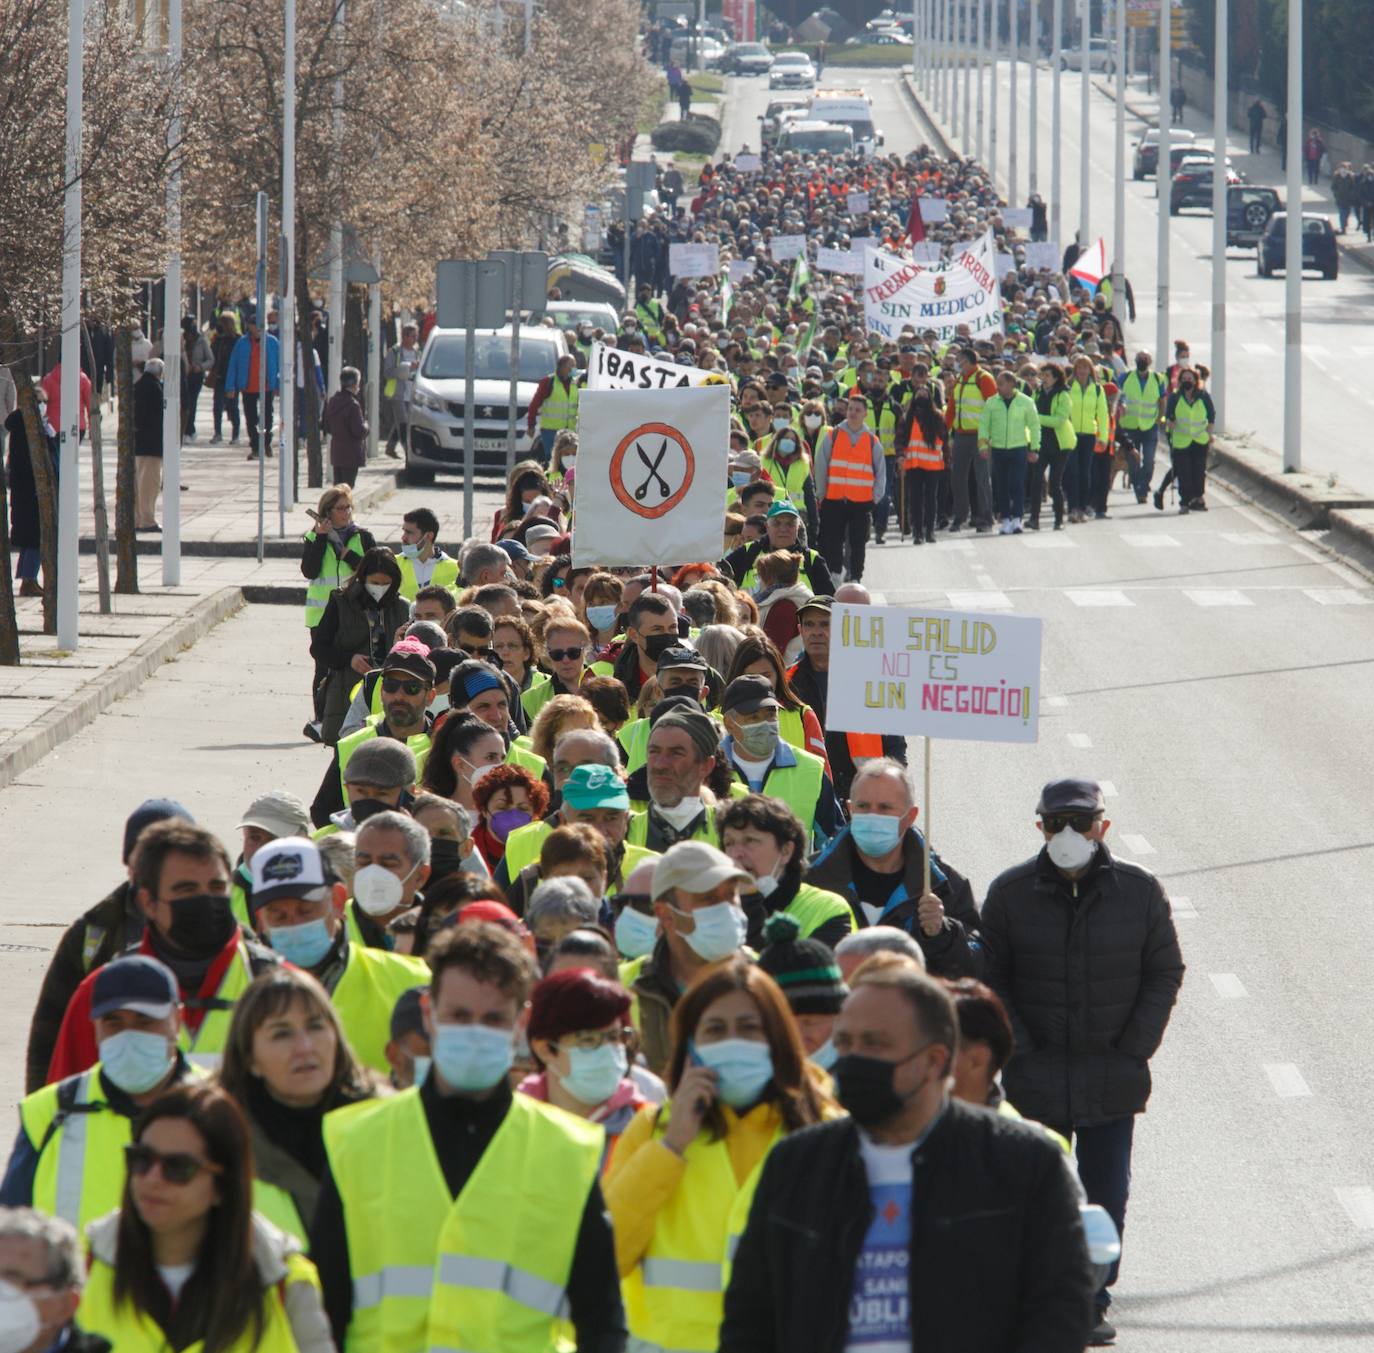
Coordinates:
<point>941,674</point>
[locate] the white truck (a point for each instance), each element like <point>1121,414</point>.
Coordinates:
<point>851,108</point>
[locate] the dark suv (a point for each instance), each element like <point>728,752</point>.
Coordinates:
<point>1318,245</point>
<point>1248,209</point>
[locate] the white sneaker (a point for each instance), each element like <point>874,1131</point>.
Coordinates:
<point>1016,527</point>
<point>1004,527</point>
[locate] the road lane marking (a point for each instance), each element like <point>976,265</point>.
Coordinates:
<point>1140,541</point>
<point>1358,1201</point>
<point>1059,542</point>
<point>1216,596</point>
<point>1080,740</point>
<point>1057,701</point>
<point>1097,597</point>
<point>1250,538</point>
<point>1338,596</point>
<point>1137,845</point>
<point>1287,1080</point>
<point>1183,909</point>
<point>1228,985</point>
<point>979,601</point>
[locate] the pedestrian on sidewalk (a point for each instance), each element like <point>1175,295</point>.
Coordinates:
<point>684,99</point>
<point>346,427</point>
<point>197,360</point>
<point>1256,114</point>
<point>1345,190</point>
<point>148,404</point>
<point>1177,101</point>
<point>1312,151</point>
<point>222,348</point>
<point>1040,225</point>
<point>1281,136</point>
<point>25,535</point>
<point>242,376</point>
<point>1364,197</point>
<point>397,372</point>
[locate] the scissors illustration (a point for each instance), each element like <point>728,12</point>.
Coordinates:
<point>652,466</point>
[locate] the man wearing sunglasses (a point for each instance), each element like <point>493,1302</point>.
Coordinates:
<point>567,651</point>
<point>68,1158</point>
<point>1081,947</point>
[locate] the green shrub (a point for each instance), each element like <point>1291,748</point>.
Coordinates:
<point>696,136</point>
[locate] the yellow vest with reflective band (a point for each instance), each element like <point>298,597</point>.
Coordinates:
<point>559,409</point>
<point>485,1272</point>
<point>520,754</point>
<point>238,903</point>
<point>332,574</point>
<point>799,786</point>
<point>790,478</point>
<point>650,318</point>
<point>850,474</point>
<point>1088,410</point>
<point>750,581</point>
<point>968,401</point>
<point>1140,401</point>
<point>813,907</point>
<point>419,744</point>
<point>80,1171</point>
<point>1190,424</point>
<point>445,575</point>
<point>638,834</point>
<point>675,1295</point>
<point>524,845</point>
<point>373,981</point>
<point>205,1049</point>
<point>887,425</point>
<point>792,730</point>
<point>129,1331</point>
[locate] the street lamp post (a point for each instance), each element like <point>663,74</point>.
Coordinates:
<point>171,321</point>
<point>1119,218</point>
<point>69,477</point>
<point>1292,258</point>
<point>286,469</point>
<point>1085,173</point>
<point>980,56</point>
<point>1162,193</point>
<point>1013,111</point>
<point>1037,23</point>
<point>1056,119</point>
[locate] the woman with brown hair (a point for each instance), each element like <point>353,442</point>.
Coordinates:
<point>561,714</point>
<point>757,655</point>
<point>524,484</point>
<point>184,1261</point>
<point>739,1083</point>
<point>287,1064</point>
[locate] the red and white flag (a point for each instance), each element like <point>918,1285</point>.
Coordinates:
<point>1091,266</point>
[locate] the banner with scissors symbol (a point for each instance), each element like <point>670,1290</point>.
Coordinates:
<point>651,475</point>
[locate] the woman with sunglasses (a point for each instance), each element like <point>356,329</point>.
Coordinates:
<point>287,1064</point>
<point>579,1033</point>
<point>184,1263</point>
<point>738,1079</point>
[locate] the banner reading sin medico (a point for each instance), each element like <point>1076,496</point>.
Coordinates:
<point>940,674</point>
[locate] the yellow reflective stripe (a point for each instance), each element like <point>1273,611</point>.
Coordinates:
<point>687,1275</point>
<point>491,1275</point>
<point>396,1280</point>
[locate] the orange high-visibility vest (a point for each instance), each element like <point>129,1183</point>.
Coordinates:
<point>920,454</point>
<point>850,474</point>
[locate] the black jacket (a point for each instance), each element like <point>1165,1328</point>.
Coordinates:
<point>997,1264</point>
<point>1089,972</point>
<point>148,403</point>
<point>814,570</point>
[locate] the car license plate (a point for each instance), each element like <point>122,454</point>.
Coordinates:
<point>489,443</point>
<point>1310,260</point>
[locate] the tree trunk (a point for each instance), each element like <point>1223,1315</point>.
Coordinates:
<point>126,556</point>
<point>310,391</point>
<point>102,524</point>
<point>9,620</point>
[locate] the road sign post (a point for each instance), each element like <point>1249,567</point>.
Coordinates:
<point>527,285</point>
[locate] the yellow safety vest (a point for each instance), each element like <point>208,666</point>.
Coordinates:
<point>968,402</point>
<point>279,1207</point>
<point>419,744</point>
<point>675,1295</point>
<point>373,981</point>
<point>484,1272</point>
<point>750,581</point>
<point>130,1331</point>
<point>559,409</point>
<point>813,907</point>
<point>887,425</point>
<point>445,575</point>
<point>1190,424</point>
<point>1140,401</point>
<point>520,754</point>
<point>638,834</point>
<point>332,574</point>
<point>205,1049</point>
<point>791,478</point>
<point>1088,410</point>
<point>799,786</point>
<point>541,691</point>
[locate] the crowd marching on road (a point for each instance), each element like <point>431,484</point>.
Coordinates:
<point>604,996</point>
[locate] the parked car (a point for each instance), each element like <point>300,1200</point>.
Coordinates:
<point>435,440</point>
<point>1192,185</point>
<point>879,37</point>
<point>747,58</point>
<point>770,120</point>
<point>792,70</point>
<point>1147,149</point>
<point>1099,56</point>
<point>1318,245</point>
<point>1248,209</point>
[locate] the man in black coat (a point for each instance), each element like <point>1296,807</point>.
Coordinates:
<point>918,1221</point>
<point>1082,950</point>
<point>148,404</point>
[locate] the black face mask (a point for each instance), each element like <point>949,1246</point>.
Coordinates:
<point>201,925</point>
<point>362,809</point>
<point>654,646</point>
<point>864,1087</point>
<point>445,857</point>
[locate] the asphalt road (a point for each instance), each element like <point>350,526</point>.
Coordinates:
<point>1213,673</point>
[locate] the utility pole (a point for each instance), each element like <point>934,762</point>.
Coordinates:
<point>1056,119</point>
<point>171,321</point>
<point>286,470</point>
<point>1014,112</point>
<point>1037,27</point>
<point>1119,217</point>
<point>1292,266</point>
<point>1162,193</point>
<point>69,476</point>
<point>1220,119</point>
<point>1085,173</point>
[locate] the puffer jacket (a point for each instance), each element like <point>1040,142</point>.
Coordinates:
<point>1089,971</point>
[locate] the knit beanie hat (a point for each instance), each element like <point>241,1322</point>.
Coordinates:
<point>805,969</point>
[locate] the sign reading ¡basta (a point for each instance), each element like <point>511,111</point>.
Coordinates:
<point>899,292</point>
<point>610,369</point>
<point>942,674</point>
<point>651,475</point>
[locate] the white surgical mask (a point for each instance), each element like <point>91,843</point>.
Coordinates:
<point>718,932</point>
<point>743,1067</point>
<point>377,590</point>
<point>812,421</point>
<point>681,813</point>
<point>377,890</point>
<point>410,552</point>
<point>635,933</point>
<point>136,1059</point>
<point>1070,851</point>
<point>569,462</point>
<point>471,1056</point>
<point>439,704</point>
<point>19,1320</point>
<point>593,1076</point>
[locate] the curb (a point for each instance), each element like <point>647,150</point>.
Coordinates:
<point>59,724</point>
<point>942,145</point>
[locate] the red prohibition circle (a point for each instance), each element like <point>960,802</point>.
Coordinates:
<point>625,497</point>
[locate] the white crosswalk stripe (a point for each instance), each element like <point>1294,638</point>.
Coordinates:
<point>979,601</point>
<point>1142,541</point>
<point>1338,596</point>
<point>1097,597</point>
<point>1216,596</point>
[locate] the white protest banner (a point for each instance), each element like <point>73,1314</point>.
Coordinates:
<point>927,251</point>
<point>934,210</point>
<point>858,203</point>
<point>944,674</point>
<point>840,260</point>
<point>741,268</point>
<point>748,164</point>
<point>1016,218</point>
<point>610,369</point>
<point>693,260</point>
<point>1045,254</point>
<point>1005,263</point>
<point>786,246</point>
<point>651,475</point>
<point>900,292</point>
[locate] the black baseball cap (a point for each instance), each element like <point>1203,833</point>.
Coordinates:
<point>747,694</point>
<point>1071,796</point>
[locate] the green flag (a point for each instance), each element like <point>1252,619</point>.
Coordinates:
<point>727,297</point>
<point>801,276</point>
<point>808,338</point>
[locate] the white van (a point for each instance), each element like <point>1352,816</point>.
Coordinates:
<point>853,109</point>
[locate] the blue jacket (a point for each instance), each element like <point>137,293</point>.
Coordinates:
<point>236,374</point>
